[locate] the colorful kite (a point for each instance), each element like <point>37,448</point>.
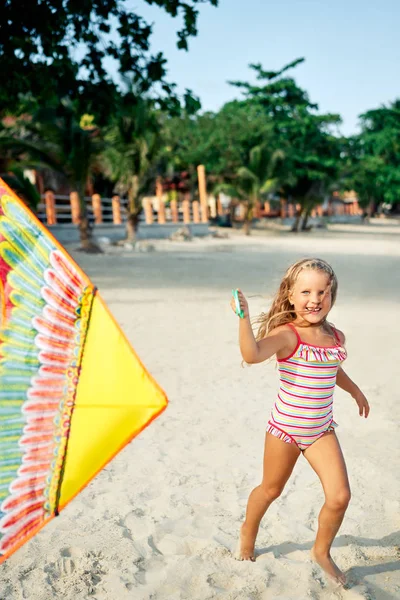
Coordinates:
<point>72,391</point>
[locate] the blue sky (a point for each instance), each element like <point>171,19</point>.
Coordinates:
<point>351,48</point>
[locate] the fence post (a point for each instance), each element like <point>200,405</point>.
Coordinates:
<point>283,208</point>
<point>161,210</point>
<point>97,210</point>
<point>196,211</point>
<point>201,175</point>
<point>75,208</point>
<point>148,210</point>
<point>174,211</point>
<point>116,210</point>
<point>257,209</point>
<point>186,209</point>
<point>220,210</point>
<point>51,215</point>
<point>161,204</point>
<point>212,203</point>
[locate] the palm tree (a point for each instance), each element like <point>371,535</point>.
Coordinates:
<point>133,142</point>
<point>22,186</point>
<point>253,180</point>
<point>57,137</point>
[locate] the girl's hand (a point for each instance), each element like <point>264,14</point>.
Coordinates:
<point>362,402</point>
<point>243,304</point>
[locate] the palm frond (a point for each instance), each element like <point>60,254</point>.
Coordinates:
<point>246,174</point>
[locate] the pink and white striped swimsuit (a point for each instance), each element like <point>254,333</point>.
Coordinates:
<point>303,410</point>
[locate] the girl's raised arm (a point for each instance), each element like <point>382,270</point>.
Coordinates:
<point>278,340</point>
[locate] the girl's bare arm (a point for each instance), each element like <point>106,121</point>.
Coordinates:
<point>278,340</point>
<point>344,382</point>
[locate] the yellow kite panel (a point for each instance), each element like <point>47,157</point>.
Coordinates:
<point>72,390</point>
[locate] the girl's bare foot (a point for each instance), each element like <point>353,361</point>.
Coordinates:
<point>246,545</point>
<point>331,569</point>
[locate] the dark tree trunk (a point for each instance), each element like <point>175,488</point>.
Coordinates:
<point>247,227</point>
<point>305,220</point>
<point>85,228</point>
<point>371,208</point>
<point>86,238</point>
<point>296,224</point>
<point>131,227</point>
<point>248,217</point>
<point>134,210</point>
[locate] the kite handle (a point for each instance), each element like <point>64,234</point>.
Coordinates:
<point>239,311</point>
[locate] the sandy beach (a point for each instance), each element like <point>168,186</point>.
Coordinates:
<point>161,521</point>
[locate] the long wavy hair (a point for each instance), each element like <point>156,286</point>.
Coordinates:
<point>281,311</point>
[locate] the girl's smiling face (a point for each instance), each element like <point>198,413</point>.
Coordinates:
<point>311,296</point>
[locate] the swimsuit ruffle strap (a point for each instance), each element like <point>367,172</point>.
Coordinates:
<point>312,353</point>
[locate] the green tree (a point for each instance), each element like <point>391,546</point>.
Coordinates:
<point>58,49</point>
<point>222,141</point>
<point>254,179</point>
<point>372,158</point>
<point>17,180</point>
<point>132,143</point>
<point>65,141</point>
<point>312,151</point>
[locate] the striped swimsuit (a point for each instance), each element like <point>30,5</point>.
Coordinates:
<point>303,410</point>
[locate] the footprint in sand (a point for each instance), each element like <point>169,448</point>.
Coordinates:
<point>76,572</point>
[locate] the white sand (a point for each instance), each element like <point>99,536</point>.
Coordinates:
<point>161,521</point>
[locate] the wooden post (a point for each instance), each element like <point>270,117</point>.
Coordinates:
<point>174,211</point>
<point>212,204</point>
<point>51,215</point>
<point>97,210</point>
<point>186,209</point>
<point>220,210</point>
<point>161,211</point>
<point>283,208</point>
<point>148,210</point>
<point>161,204</point>
<point>116,210</point>
<point>40,182</point>
<point>257,209</point>
<point>267,208</point>
<point>75,208</point>
<point>196,211</point>
<point>201,175</point>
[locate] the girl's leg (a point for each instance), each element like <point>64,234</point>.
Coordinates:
<point>326,458</point>
<point>279,460</point>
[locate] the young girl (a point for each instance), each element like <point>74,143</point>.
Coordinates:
<point>309,352</point>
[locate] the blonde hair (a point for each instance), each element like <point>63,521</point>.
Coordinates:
<point>281,311</point>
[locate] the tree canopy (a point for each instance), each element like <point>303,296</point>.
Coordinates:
<point>59,47</point>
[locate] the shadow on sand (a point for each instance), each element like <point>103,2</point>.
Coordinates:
<point>355,575</point>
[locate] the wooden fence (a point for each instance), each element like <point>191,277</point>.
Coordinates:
<point>56,209</point>
<point>61,210</point>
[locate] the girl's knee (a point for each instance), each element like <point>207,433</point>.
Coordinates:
<point>340,500</point>
<point>271,493</point>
